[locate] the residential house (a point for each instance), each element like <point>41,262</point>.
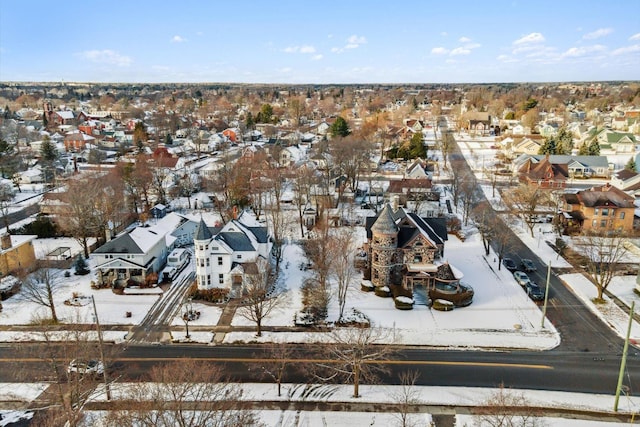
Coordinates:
<point>290,155</point>
<point>628,181</point>
<point>601,208</point>
<point>478,122</point>
<point>136,256</point>
<point>613,142</point>
<point>544,174</point>
<point>405,250</point>
<point>77,141</point>
<point>577,166</point>
<point>420,192</point>
<point>526,145</point>
<point>225,253</point>
<point>419,169</point>
<point>16,254</point>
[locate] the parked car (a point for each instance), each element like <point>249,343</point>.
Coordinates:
<point>85,367</point>
<point>534,291</point>
<point>509,264</point>
<point>528,265</point>
<point>521,277</point>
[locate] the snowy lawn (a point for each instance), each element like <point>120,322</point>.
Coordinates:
<point>485,323</point>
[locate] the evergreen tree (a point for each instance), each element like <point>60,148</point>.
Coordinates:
<point>560,143</point>
<point>594,148</point>
<point>340,127</point>
<point>48,151</point>
<point>45,122</point>
<point>416,147</point>
<point>631,164</point>
<point>168,140</point>
<point>250,123</point>
<point>80,266</point>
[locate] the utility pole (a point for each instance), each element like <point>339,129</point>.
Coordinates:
<point>101,345</point>
<point>623,363</point>
<point>546,294</point>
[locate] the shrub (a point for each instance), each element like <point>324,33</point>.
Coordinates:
<point>442,305</point>
<point>383,292</point>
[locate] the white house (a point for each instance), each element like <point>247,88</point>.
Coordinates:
<point>224,254</point>
<point>134,255</point>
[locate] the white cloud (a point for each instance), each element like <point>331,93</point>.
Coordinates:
<point>178,39</point>
<point>626,50</point>
<point>106,56</point>
<point>472,45</point>
<point>460,51</point>
<point>444,34</point>
<point>357,40</point>
<point>576,52</point>
<point>464,39</point>
<point>317,57</point>
<point>635,37</point>
<point>300,49</point>
<point>600,32</point>
<point>353,42</point>
<point>530,38</point>
<point>439,51</point>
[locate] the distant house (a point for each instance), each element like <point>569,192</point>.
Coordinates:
<point>224,254</point>
<point>478,122</point>
<point>577,166</point>
<point>77,141</point>
<point>602,208</point>
<point>419,169</point>
<point>416,190</point>
<point>290,155</point>
<point>613,142</point>
<point>544,174</point>
<point>526,145</point>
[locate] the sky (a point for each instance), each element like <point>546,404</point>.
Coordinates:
<point>292,41</point>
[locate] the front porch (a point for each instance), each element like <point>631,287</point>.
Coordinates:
<point>120,273</point>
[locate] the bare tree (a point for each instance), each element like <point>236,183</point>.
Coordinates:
<point>523,201</point>
<point>342,268</point>
<point>487,223</point>
<point>70,390</point>
<point>469,195</point>
<point>40,288</point>
<point>406,398</point>
<point>507,408</point>
<point>301,183</point>
<point>184,393</point>
<point>446,145</point>
<point>276,362</point>
<point>358,353</point>
<point>260,296</point>
<point>603,252</point>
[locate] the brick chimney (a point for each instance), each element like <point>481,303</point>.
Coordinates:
<point>5,241</point>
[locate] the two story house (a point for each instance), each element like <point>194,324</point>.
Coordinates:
<point>602,208</point>
<point>133,257</point>
<point>224,254</point>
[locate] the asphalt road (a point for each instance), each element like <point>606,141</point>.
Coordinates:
<point>563,371</point>
<point>579,328</point>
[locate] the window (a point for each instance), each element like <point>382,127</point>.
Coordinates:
<point>594,223</point>
<point>375,257</point>
<point>603,223</point>
<point>219,260</point>
<point>221,278</point>
<point>201,262</point>
<point>208,279</point>
<point>596,211</point>
<point>621,215</point>
<point>417,258</point>
<point>605,212</point>
<point>208,262</point>
<point>238,256</point>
